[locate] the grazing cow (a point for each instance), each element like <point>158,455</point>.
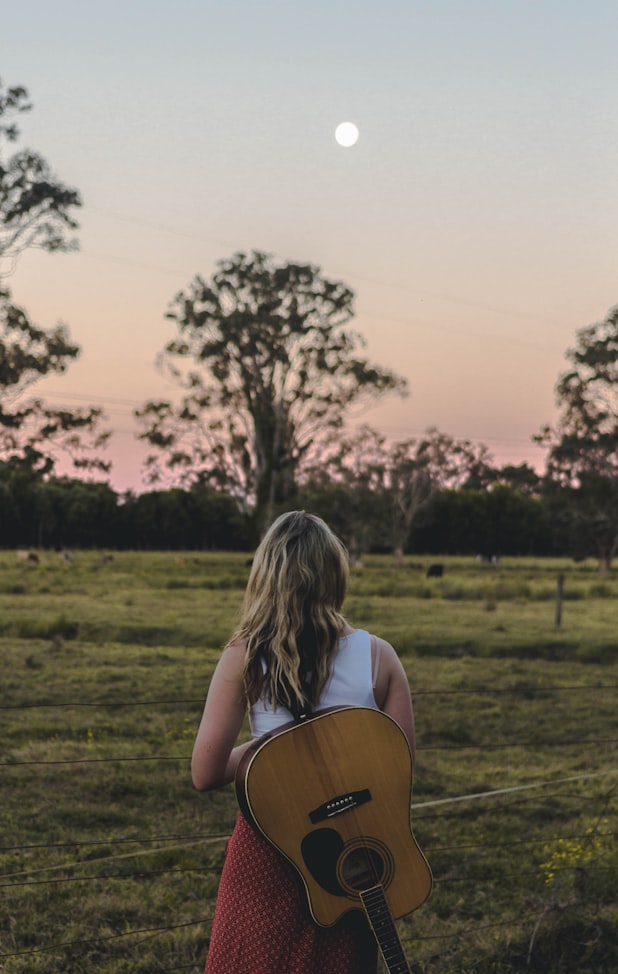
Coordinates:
<point>29,557</point>
<point>435,571</point>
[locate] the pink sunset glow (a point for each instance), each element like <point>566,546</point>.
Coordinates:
<point>475,219</point>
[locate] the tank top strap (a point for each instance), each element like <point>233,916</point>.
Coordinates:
<point>376,652</point>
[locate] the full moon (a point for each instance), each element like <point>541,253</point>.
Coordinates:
<point>347,134</point>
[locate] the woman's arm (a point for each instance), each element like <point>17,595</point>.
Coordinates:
<point>392,692</point>
<point>215,759</point>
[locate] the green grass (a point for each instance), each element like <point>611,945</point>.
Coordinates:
<point>110,859</point>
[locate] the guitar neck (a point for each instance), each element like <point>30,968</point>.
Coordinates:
<point>384,929</point>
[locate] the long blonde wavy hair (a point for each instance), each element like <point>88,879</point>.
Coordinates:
<point>291,615</point>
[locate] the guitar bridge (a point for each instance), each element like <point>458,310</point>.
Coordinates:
<point>339,804</point>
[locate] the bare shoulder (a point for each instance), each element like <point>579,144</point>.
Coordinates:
<point>392,689</point>
<point>232,659</point>
<point>387,655</point>
<point>388,670</point>
<point>236,650</point>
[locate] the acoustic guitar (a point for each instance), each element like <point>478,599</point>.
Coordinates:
<point>332,794</point>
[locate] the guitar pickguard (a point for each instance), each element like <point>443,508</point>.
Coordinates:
<point>321,850</point>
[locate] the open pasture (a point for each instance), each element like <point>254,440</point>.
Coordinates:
<point>110,859</point>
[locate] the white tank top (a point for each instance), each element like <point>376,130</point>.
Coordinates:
<point>349,685</point>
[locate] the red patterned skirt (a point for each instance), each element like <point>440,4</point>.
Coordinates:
<point>261,924</point>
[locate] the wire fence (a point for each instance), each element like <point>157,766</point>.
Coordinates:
<point>491,802</point>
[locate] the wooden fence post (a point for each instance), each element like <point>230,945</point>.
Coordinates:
<point>559,597</point>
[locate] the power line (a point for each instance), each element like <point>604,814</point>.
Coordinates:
<point>391,285</point>
<point>164,228</point>
<point>402,430</point>
<point>128,262</point>
<point>433,326</point>
<point>127,407</point>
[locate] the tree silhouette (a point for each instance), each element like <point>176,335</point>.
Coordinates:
<point>583,447</point>
<point>35,211</point>
<point>268,367</point>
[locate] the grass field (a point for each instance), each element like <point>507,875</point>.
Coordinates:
<point>110,859</point>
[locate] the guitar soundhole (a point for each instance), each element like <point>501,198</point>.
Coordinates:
<point>363,864</point>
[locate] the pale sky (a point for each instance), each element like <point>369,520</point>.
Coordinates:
<point>476,219</point>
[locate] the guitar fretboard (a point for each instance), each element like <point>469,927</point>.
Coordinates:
<point>384,929</point>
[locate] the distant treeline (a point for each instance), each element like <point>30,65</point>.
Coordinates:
<point>66,513</point>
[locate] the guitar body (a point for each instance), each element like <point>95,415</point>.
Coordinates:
<point>333,795</point>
